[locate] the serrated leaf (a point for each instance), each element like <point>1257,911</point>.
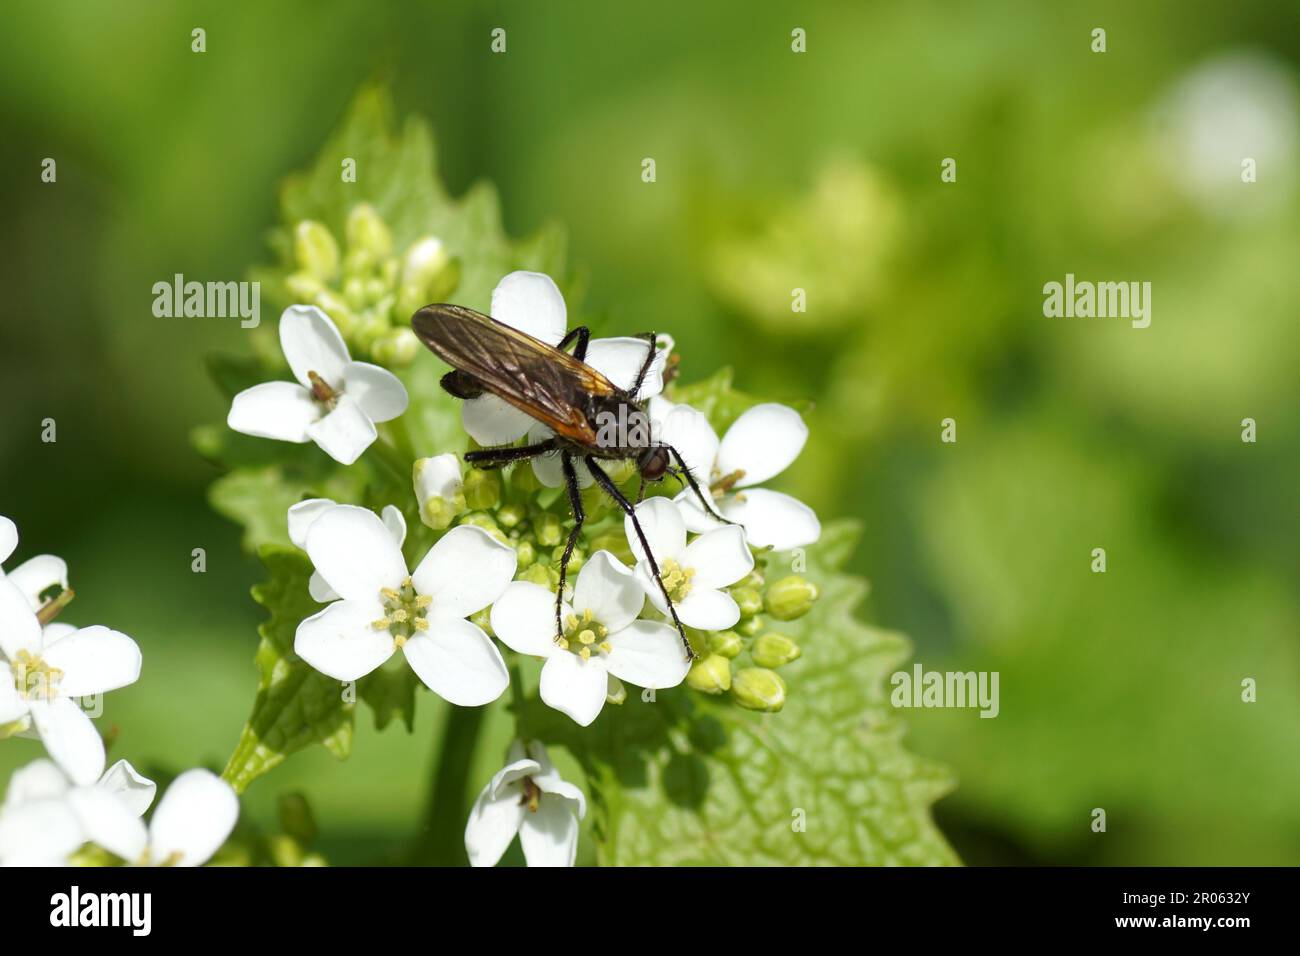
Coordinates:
<point>296,705</point>
<point>691,780</point>
<point>390,693</point>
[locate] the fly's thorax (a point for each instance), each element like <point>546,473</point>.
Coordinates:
<point>621,425</point>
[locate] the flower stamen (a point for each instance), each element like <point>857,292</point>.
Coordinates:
<point>405,612</point>
<point>676,579</point>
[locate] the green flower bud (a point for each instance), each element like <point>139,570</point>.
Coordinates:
<point>539,574</point>
<point>367,230</point>
<point>438,490</point>
<point>791,597</point>
<point>370,329</point>
<point>526,553</point>
<point>523,478</point>
<point>296,818</point>
<point>726,643</point>
<point>284,850</point>
<point>757,688</point>
<point>774,650</point>
<point>548,529</point>
<point>338,310</point>
<point>481,519</point>
<point>396,349</point>
<point>750,626</point>
<point>482,489</point>
<point>376,289</point>
<point>748,599</point>
<point>483,619</point>
<point>576,560</point>
<point>509,516</point>
<point>422,267</point>
<point>710,675</point>
<point>303,286</point>
<point>315,250</point>
<point>354,292</point>
<point>615,692</point>
<point>616,544</point>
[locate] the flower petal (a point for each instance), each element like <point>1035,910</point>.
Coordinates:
<point>303,514</point>
<point>458,662</point>
<point>39,780</point>
<point>688,431</point>
<point>720,557</point>
<point>41,833</point>
<point>37,575</point>
<point>94,660</point>
<point>311,343</point>
<point>762,443</point>
<point>648,654</point>
<point>395,522</point>
<point>708,610</point>
<point>12,706</point>
<point>279,410</point>
<point>663,526</point>
<point>193,819</point>
<point>620,360</point>
<point>109,822</point>
<point>772,519</point>
<point>320,590</point>
<point>549,837</point>
<point>438,477</point>
<point>697,519</point>
<point>355,553</point>
<point>379,393</point>
<point>342,641</point>
<point>8,539</point>
<point>465,572</point>
<point>548,467</point>
<point>493,421</point>
<point>70,738</point>
<point>523,618</point>
<point>492,824</point>
<point>345,432</point>
<point>531,303</point>
<point>548,779</point>
<point>574,686</point>
<point>129,786</point>
<point>19,629</point>
<point>609,590</point>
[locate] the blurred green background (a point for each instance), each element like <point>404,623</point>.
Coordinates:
<point>775,170</point>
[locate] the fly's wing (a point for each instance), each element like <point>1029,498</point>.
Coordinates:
<point>535,378</point>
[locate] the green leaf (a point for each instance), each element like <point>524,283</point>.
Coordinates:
<point>296,705</point>
<point>390,693</point>
<point>687,779</point>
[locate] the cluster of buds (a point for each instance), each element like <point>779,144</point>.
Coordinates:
<point>757,686</point>
<point>369,288</point>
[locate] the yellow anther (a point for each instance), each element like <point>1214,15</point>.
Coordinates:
<point>406,582</point>
<point>390,594</point>
<point>572,622</point>
<point>605,646</point>
<point>380,624</point>
<point>563,644</point>
<point>423,601</point>
<point>399,616</point>
<point>585,653</point>
<point>421,624</point>
<point>399,640</point>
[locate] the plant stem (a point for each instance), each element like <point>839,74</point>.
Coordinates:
<point>441,841</point>
<point>391,459</point>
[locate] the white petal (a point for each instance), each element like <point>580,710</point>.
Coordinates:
<point>548,467</point>
<point>688,431</point>
<point>518,766</point>
<point>19,629</point>
<point>549,781</point>
<point>320,590</point>
<point>8,539</point>
<point>437,477</point>
<point>193,819</point>
<point>719,557</point>
<point>492,824</point>
<point>355,553</point>
<point>12,706</point>
<point>42,833</point>
<point>378,391</point>
<point>697,519</point>
<point>762,443</point>
<point>395,522</point>
<point>303,514</point>
<point>523,618</point>
<point>109,822</point>
<point>620,360</point>
<point>531,303</point>
<point>772,519</point>
<point>648,654</point>
<point>574,686</point>
<point>69,738</point>
<point>280,410</point>
<point>708,610</point>
<point>311,343</point>
<point>342,641</point>
<point>458,662</point>
<point>37,575</point>
<point>39,780</point>
<point>493,421</point>
<point>129,786</point>
<point>549,837</point>
<point>56,631</point>
<point>345,432</point>
<point>94,660</point>
<point>465,572</point>
<point>609,590</point>
<point>663,526</point>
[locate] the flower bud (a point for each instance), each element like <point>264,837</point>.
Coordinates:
<point>790,597</point>
<point>750,626</point>
<point>439,490</point>
<point>757,688</point>
<point>303,286</point>
<point>354,292</point>
<point>284,850</point>
<point>315,250</point>
<point>726,643</point>
<point>710,675</point>
<point>774,650</point>
<point>538,574</point>
<point>548,529</point>
<point>615,692</point>
<point>397,348</point>
<point>367,230</point>
<point>748,599</point>
<point>423,275</point>
<point>509,516</point>
<point>525,553</point>
<point>615,544</point>
<point>296,818</point>
<point>338,311</point>
<point>482,489</point>
<point>481,519</point>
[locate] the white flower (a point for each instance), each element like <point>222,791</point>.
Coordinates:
<point>528,798</point>
<point>47,671</point>
<point>531,303</point>
<point>438,483</point>
<point>46,817</point>
<point>34,576</point>
<point>694,573</point>
<point>759,445</point>
<point>384,607</point>
<point>336,401</point>
<point>305,512</point>
<point>603,640</point>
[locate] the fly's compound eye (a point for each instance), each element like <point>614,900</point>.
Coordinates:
<point>653,463</point>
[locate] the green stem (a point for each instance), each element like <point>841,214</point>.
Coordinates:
<point>442,838</point>
<point>391,459</point>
